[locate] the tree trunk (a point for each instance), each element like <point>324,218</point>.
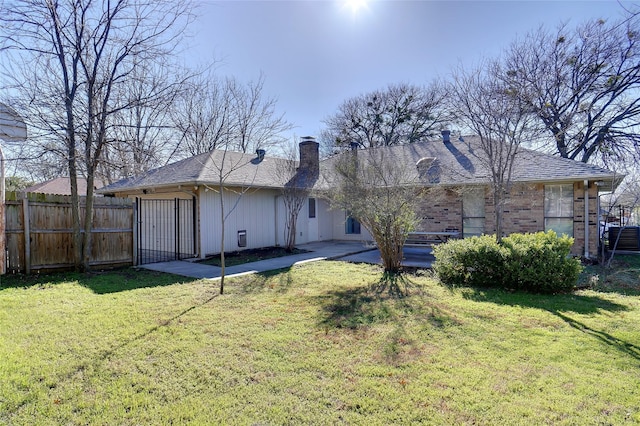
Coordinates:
<point>222,260</point>
<point>3,252</point>
<point>75,213</point>
<point>499,207</point>
<point>291,234</point>
<point>88,224</point>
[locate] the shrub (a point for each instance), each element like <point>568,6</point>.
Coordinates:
<point>537,262</point>
<point>475,261</point>
<point>541,262</point>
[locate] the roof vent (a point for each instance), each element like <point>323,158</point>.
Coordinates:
<point>260,153</point>
<point>429,169</point>
<point>424,163</point>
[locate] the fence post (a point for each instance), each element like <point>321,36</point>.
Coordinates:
<point>27,234</point>
<point>134,232</point>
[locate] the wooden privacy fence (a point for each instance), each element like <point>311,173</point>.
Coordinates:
<point>39,232</point>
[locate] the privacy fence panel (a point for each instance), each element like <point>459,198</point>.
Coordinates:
<point>39,232</point>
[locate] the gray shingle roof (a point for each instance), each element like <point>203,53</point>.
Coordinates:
<point>457,163</point>
<point>61,186</point>
<point>238,169</point>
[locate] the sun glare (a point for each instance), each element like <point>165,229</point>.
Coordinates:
<point>355,5</point>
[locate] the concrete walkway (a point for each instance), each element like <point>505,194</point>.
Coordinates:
<point>320,250</point>
<point>413,257</point>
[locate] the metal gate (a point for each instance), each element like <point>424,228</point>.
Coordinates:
<point>165,230</point>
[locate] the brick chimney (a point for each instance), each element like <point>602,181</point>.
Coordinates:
<point>309,156</point>
<point>446,134</point>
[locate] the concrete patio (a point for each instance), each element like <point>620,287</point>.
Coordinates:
<point>348,251</point>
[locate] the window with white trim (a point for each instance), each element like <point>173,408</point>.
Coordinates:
<point>558,208</point>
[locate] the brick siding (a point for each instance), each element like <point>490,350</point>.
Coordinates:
<point>441,209</point>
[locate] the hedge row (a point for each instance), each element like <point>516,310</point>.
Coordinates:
<point>537,262</point>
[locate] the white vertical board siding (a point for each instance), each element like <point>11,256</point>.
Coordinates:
<point>325,220</point>
<point>302,225</point>
<point>255,212</point>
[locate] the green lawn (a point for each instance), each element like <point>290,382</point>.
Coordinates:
<point>323,343</point>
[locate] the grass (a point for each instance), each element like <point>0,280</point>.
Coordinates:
<point>622,277</point>
<point>250,255</point>
<point>323,343</point>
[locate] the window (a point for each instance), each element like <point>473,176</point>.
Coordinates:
<point>352,226</point>
<point>473,215</point>
<point>312,208</point>
<point>558,209</point>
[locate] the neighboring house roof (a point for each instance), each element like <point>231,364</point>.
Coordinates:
<point>449,163</point>
<point>61,186</point>
<point>464,163</point>
<point>238,169</point>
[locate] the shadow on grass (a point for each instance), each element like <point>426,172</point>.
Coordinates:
<point>279,280</point>
<point>94,281</point>
<point>578,303</point>
<point>561,306</point>
<point>363,306</point>
<point>104,282</point>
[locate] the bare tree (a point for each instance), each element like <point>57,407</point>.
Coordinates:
<point>256,123</point>
<point>297,185</point>
<point>381,194</point>
<point>77,53</point>
<point>203,115</point>
<point>624,200</point>
<point>502,122</point>
<point>215,113</point>
<point>225,164</point>
<point>141,137</point>
<point>400,114</point>
<point>583,86</point>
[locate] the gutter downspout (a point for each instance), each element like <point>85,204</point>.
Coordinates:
<point>586,219</point>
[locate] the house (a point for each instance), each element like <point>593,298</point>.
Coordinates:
<point>61,186</point>
<point>547,193</point>
<point>179,204</point>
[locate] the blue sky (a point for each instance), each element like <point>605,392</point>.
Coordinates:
<point>316,54</point>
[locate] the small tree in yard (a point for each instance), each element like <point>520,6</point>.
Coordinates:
<point>297,185</point>
<point>382,195</point>
<point>215,120</point>
<point>502,121</point>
